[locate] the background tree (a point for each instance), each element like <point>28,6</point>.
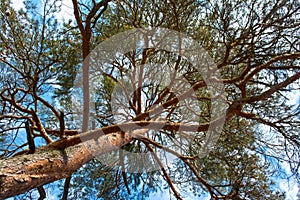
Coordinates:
<point>255,46</point>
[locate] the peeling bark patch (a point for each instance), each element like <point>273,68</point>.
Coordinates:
<point>22,178</point>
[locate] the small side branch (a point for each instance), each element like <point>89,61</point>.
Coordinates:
<point>166,174</point>
<point>123,171</point>
<point>66,188</point>
<point>41,127</point>
<point>62,124</point>
<point>30,138</point>
<point>42,193</point>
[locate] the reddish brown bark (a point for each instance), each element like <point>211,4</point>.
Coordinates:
<point>25,172</point>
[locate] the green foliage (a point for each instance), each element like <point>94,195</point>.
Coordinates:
<point>102,99</point>
<point>234,167</point>
<point>99,181</point>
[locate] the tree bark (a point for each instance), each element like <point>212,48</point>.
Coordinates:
<point>25,172</point>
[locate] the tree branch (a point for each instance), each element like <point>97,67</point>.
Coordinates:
<point>66,188</point>
<point>166,174</point>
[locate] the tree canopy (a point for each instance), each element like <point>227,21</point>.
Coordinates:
<point>131,98</point>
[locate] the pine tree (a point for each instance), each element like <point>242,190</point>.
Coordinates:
<point>255,47</point>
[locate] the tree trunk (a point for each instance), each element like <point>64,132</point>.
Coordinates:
<point>25,172</point>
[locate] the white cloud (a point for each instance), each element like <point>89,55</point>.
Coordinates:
<point>66,11</point>
<point>17,4</point>
<point>291,188</point>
